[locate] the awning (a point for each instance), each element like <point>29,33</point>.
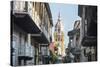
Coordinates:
<point>24,21</point>
<point>41,38</point>
<point>73,32</point>
<point>89,41</point>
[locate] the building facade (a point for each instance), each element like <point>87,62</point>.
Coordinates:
<point>74,42</point>
<point>88,31</point>
<point>31,32</point>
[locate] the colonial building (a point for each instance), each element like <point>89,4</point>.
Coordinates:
<point>74,41</point>
<point>31,32</point>
<point>59,37</point>
<point>88,31</point>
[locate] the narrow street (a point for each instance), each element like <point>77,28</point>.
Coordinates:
<point>52,33</point>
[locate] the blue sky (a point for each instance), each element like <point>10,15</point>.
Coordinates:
<point>68,12</point>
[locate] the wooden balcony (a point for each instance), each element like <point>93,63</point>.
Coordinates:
<point>23,14</point>
<point>25,52</point>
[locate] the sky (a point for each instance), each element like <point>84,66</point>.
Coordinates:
<point>68,13</point>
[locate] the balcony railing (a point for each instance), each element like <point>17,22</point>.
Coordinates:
<point>26,7</point>
<point>29,51</point>
<point>19,6</point>
<point>26,51</point>
<point>37,21</point>
<point>23,7</point>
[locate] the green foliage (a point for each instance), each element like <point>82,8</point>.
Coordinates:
<point>54,57</point>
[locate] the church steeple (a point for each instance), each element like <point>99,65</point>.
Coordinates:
<point>59,18</point>
<point>59,36</point>
<point>59,24</point>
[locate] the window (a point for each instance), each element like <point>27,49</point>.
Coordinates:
<point>44,50</point>
<point>26,6</point>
